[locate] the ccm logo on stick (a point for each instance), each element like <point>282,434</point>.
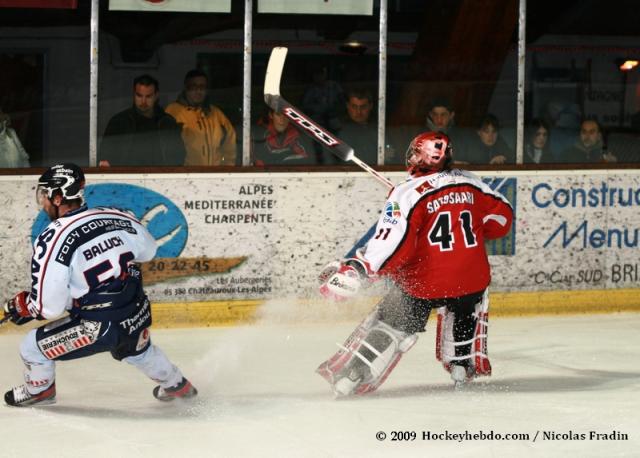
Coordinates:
<point>303,122</point>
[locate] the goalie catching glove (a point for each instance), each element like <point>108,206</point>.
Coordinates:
<point>341,281</point>
<point>17,310</point>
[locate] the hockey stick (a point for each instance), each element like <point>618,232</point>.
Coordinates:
<point>273,98</point>
<point>4,319</point>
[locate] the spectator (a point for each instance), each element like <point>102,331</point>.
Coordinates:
<point>12,153</point>
<point>208,135</point>
<point>536,143</point>
<point>322,101</point>
<point>142,134</point>
<point>564,120</point>
<point>589,147</point>
<point>276,141</point>
<point>489,148</point>
<point>441,115</point>
<point>357,129</point>
<point>441,118</point>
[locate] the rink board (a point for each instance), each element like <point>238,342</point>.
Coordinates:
<point>229,242</point>
<point>229,313</point>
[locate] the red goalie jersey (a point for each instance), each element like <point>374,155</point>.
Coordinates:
<point>430,236</point>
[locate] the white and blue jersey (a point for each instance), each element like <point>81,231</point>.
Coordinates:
<point>80,250</point>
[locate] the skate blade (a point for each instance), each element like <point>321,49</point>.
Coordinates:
<point>44,403</point>
<point>459,386</point>
<point>48,402</point>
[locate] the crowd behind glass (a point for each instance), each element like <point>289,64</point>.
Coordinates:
<point>195,127</point>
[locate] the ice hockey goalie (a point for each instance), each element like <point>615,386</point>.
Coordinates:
<point>429,240</point>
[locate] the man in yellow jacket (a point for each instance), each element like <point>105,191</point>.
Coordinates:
<point>208,135</point>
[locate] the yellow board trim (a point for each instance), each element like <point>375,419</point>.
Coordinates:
<point>203,314</point>
<point>229,313</point>
<point>565,302</point>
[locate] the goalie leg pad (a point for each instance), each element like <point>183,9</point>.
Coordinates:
<point>367,357</point>
<point>461,336</point>
<point>482,364</point>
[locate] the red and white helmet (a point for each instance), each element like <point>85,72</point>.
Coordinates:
<point>429,151</point>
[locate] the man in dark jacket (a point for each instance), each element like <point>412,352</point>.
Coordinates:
<point>143,135</point>
<point>441,118</point>
<point>589,147</point>
<point>358,129</point>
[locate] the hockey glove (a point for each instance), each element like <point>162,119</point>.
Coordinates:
<point>345,282</point>
<point>328,271</point>
<point>17,309</point>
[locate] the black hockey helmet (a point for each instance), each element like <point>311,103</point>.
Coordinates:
<point>64,179</point>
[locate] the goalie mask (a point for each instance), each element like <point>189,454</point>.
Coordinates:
<point>429,151</point>
<point>66,180</point>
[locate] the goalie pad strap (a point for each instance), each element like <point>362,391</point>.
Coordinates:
<point>371,348</point>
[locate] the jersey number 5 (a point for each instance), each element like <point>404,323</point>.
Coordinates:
<point>442,235</point>
<point>92,276</point>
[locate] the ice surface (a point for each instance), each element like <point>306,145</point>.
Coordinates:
<point>259,396</point>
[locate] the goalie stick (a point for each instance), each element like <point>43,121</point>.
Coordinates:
<point>273,98</point>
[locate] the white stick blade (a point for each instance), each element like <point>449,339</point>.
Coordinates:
<point>274,71</point>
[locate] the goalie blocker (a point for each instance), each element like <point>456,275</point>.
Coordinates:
<point>375,347</point>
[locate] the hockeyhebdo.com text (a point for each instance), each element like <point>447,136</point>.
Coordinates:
<point>466,436</point>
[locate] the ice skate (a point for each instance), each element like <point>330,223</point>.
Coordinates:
<point>460,376</point>
<point>20,397</point>
<point>344,387</point>
<point>182,390</point>
<point>348,384</point>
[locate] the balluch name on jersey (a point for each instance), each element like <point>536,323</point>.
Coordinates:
<point>101,247</point>
<point>463,197</point>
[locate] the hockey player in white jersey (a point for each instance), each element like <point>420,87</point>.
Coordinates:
<point>83,274</point>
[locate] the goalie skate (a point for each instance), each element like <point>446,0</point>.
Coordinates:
<point>460,375</point>
<point>367,357</point>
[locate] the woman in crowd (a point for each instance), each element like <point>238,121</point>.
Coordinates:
<point>536,146</point>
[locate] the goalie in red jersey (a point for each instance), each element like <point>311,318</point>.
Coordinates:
<point>430,241</point>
